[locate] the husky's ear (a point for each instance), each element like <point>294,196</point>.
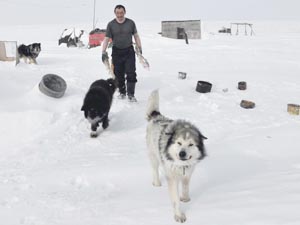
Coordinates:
<point>203,137</point>
<point>83,108</point>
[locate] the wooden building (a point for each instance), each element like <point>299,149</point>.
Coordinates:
<point>181,29</point>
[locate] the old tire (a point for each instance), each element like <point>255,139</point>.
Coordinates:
<point>53,85</point>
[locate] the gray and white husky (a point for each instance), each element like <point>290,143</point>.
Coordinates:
<point>29,52</point>
<point>175,145</point>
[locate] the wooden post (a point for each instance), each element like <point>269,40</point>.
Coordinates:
<point>94,25</point>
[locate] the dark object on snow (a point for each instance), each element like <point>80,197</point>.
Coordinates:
<point>71,37</point>
<point>203,86</point>
<point>247,104</point>
<point>181,75</point>
<point>242,85</point>
<point>225,30</point>
<point>53,85</point>
<point>293,109</point>
<point>181,34</point>
<point>225,90</point>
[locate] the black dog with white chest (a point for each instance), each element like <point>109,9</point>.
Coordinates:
<point>97,103</point>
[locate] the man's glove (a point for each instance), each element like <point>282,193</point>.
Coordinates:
<point>104,56</point>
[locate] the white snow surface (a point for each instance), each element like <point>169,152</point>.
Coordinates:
<point>53,173</point>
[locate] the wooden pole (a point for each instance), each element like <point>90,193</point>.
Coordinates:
<point>94,15</point>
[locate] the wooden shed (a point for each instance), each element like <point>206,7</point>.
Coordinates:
<point>8,51</point>
<point>176,29</point>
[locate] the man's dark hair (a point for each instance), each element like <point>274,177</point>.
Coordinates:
<point>120,7</point>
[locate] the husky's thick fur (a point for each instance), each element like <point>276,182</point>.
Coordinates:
<point>29,52</point>
<point>175,145</point>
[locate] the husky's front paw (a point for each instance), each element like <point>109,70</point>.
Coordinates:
<point>156,183</point>
<point>185,199</point>
<point>180,218</point>
<point>93,134</point>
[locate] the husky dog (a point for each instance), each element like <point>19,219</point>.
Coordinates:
<point>97,103</point>
<point>175,145</point>
<point>29,52</point>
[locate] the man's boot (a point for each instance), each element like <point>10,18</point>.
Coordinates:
<point>122,91</point>
<point>130,91</point>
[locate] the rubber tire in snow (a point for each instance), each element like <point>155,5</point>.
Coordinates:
<point>53,85</point>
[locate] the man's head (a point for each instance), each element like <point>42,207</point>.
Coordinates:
<point>120,12</point>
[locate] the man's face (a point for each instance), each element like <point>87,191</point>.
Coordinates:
<point>120,13</point>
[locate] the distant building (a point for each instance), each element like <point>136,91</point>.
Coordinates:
<point>179,29</point>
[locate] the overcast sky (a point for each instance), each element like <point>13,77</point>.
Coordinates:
<point>213,9</point>
<point>64,11</point>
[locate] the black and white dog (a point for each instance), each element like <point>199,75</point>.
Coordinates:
<point>29,52</point>
<point>175,145</point>
<point>97,103</point>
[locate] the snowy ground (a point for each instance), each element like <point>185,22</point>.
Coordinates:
<point>53,173</point>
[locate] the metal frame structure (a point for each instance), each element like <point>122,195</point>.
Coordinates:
<point>242,24</point>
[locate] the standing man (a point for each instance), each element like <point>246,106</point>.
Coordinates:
<point>121,30</point>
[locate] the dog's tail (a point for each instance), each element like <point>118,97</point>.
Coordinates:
<point>153,105</point>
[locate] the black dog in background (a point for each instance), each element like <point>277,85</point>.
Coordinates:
<point>97,103</point>
<point>29,52</point>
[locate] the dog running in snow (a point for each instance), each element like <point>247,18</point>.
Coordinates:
<point>175,145</point>
<point>97,103</point>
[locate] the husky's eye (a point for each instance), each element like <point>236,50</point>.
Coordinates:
<point>179,143</point>
<point>190,145</point>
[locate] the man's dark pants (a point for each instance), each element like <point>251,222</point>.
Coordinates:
<point>124,63</point>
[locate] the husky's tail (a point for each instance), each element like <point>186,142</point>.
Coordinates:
<point>153,105</point>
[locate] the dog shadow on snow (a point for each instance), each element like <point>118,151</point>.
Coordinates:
<point>125,121</point>
<point>123,117</point>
